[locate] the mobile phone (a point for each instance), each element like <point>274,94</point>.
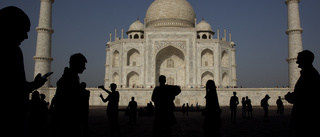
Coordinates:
<point>47,74</point>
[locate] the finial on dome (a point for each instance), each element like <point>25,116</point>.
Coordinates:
<point>202,18</point>
<point>137,17</point>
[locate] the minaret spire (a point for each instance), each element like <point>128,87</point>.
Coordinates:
<point>43,52</point>
<point>294,40</point>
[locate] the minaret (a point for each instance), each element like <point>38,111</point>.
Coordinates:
<point>294,40</point>
<point>43,52</point>
<point>233,62</point>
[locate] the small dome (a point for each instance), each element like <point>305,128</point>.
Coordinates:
<point>204,26</point>
<point>232,43</point>
<point>136,26</point>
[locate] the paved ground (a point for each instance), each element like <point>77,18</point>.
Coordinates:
<point>191,126</point>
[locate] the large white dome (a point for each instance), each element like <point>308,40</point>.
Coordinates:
<point>170,13</point>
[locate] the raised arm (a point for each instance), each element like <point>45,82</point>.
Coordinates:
<point>104,100</point>
<point>102,87</point>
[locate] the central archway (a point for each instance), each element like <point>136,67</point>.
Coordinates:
<point>170,61</point>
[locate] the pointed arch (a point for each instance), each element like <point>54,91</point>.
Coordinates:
<point>204,36</point>
<point>116,78</point>
<point>133,79</point>
<point>116,59</point>
<point>207,58</point>
<point>225,79</point>
<point>133,57</point>
<point>205,77</point>
<point>170,61</point>
<point>224,59</point>
<point>136,36</point>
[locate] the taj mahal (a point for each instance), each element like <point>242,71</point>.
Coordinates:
<point>171,41</point>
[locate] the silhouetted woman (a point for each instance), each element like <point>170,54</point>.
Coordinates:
<point>212,120</point>
<point>37,115</point>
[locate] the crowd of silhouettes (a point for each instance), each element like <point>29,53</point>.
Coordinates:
<point>69,107</point>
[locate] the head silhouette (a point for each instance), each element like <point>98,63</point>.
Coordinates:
<point>42,96</point>
<point>14,26</point>
<point>83,85</point>
<point>35,95</point>
<point>234,93</point>
<point>78,62</point>
<point>132,98</point>
<point>267,96</point>
<point>162,80</point>
<point>113,87</point>
<point>305,59</point>
<point>210,85</point>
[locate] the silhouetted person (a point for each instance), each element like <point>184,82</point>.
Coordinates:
<point>305,97</point>
<point>163,97</point>
<point>183,108</point>
<point>84,104</point>
<point>197,107</point>
<point>68,98</point>
<point>187,109</point>
<point>14,28</point>
<point>212,119</point>
<point>150,109</point>
<point>112,109</point>
<point>234,101</point>
<point>191,107</point>
<point>264,104</point>
<point>37,115</point>
<point>244,107</point>
<point>45,108</point>
<point>280,107</point>
<point>249,107</point>
<point>133,111</point>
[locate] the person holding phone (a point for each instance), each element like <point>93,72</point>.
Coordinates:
<point>14,28</point>
<point>112,109</point>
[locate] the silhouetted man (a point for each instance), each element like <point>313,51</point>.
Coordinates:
<point>163,97</point>
<point>305,97</point>
<point>133,110</point>
<point>68,97</point>
<point>264,104</point>
<point>14,28</point>
<point>249,107</point>
<point>234,101</point>
<point>112,109</point>
<point>280,107</point>
<point>84,104</point>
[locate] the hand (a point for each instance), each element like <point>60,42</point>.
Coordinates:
<point>288,96</point>
<point>102,87</point>
<point>39,81</point>
<point>101,96</point>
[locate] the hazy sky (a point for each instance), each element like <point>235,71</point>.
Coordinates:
<point>257,26</point>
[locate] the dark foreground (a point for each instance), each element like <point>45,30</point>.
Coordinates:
<point>191,126</point>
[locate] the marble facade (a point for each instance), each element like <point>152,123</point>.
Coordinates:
<point>172,44</point>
